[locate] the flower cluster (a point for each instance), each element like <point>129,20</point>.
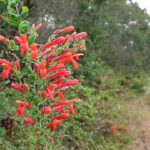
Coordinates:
<point>40,74</point>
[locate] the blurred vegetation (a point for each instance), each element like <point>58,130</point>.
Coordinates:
<point>113,72</point>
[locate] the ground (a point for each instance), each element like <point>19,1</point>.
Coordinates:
<point>140,125</point>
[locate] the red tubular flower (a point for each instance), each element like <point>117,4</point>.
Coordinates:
<point>49,57</point>
<point>67,29</point>
<point>4,61</point>
<point>24,39</point>
<point>53,124</point>
<point>65,55</point>
<point>76,56</point>
<point>38,27</point>
<point>57,41</point>
<point>69,83</point>
<point>114,129</point>
<point>61,117</point>
<point>51,86</point>
<point>42,68</point>
<point>5,74</point>
<point>49,92</point>
<point>4,40</point>
<point>60,80</point>
<point>81,35</point>
<point>6,71</point>
<point>72,60</point>
<point>73,35</point>
<point>46,51</point>
<point>36,67</point>
<point>23,104</point>
<point>21,107</point>
<point>75,64</point>
<point>18,88</point>
<point>29,121</point>
<point>54,109</point>
<point>59,108</point>
<point>71,109</point>
<point>33,51</point>
<point>68,38</point>
<point>23,44</point>
<point>61,72</point>
<point>19,111</point>
<point>44,94</point>
<point>23,49</point>
<point>17,65</point>
<point>46,110</point>
<point>65,51</point>
<point>7,65</point>
<point>60,95</point>
<point>63,88</point>
<point>62,111</point>
<point>25,87</point>
<point>17,40</point>
<point>66,103</point>
<point>66,60</point>
<point>56,67</point>
<point>43,65</point>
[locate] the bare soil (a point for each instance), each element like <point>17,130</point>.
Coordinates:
<point>140,127</point>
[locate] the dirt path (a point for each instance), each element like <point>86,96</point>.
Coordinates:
<point>141,124</point>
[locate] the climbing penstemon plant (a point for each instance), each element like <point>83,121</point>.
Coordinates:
<point>39,72</point>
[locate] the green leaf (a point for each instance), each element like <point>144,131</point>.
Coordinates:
<point>20,75</point>
<point>2,132</point>
<point>10,10</point>
<point>26,69</point>
<point>13,45</point>
<point>38,118</point>
<point>31,79</point>
<point>13,3</point>
<point>23,27</point>
<point>3,1</point>
<point>32,38</point>
<point>24,12</point>
<point>14,20</point>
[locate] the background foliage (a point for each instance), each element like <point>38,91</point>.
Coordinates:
<point>114,71</point>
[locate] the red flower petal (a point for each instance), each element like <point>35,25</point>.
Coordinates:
<point>52,125</point>
<point>46,110</point>
<point>67,29</point>
<point>61,117</point>
<point>29,121</point>
<point>57,41</point>
<point>75,64</point>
